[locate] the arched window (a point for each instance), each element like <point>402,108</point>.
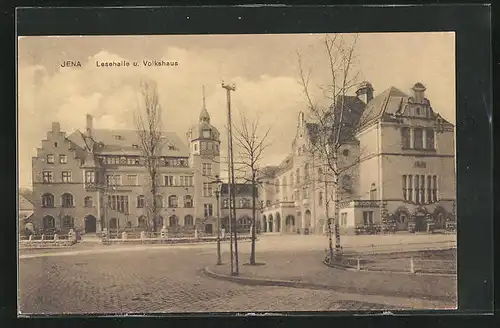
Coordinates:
<point>244,222</point>
<point>297,174</point>
<point>141,221</point>
<point>49,222</point>
<point>225,203</point>
<point>188,201</point>
<point>140,201</point>
<point>48,200</point>
<point>291,179</point>
<point>88,202</point>
<point>172,201</point>
<point>173,221</point>
<point>68,222</point>
<point>159,201</point>
<point>67,200</point>
<point>188,220</point>
<point>306,171</point>
<point>373,192</point>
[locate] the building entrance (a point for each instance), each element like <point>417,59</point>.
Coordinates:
<point>90,224</point>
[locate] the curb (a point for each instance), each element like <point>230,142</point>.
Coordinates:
<point>295,284</point>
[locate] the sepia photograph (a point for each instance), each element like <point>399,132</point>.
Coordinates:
<point>237,173</point>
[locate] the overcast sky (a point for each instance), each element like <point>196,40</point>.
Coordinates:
<point>263,67</point>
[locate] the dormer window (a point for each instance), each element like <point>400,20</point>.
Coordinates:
<point>171,147</point>
<point>118,137</point>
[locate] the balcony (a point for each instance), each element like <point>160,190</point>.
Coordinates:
<point>93,186</point>
<point>359,203</point>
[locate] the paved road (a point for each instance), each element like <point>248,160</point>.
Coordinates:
<point>162,279</point>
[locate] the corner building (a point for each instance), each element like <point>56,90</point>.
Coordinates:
<point>404,155</point>
<point>96,178</point>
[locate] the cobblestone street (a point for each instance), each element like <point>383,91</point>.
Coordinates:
<point>159,280</point>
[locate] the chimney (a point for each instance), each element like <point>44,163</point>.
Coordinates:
<point>365,92</point>
<point>56,127</point>
<point>89,125</point>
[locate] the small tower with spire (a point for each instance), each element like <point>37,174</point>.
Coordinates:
<point>204,141</point>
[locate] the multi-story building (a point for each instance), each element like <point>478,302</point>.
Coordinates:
<point>243,200</point>
<point>95,179</point>
<point>400,164</point>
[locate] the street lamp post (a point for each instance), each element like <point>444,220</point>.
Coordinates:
<point>232,209</point>
<point>218,187</point>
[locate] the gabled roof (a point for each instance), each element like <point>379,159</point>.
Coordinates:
<point>388,102</point>
<point>25,204</point>
<point>117,142</point>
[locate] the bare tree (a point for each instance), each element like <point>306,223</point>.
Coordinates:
<point>149,129</point>
<point>336,122</point>
<point>251,144</point>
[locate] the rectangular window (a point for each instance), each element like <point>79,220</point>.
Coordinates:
<point>118,203</point>
<point>404,188</point>
<point>169,180</point>
<point>268,203</point>
<point>208,209</point>
<point>417,184</point>
<point>405,138</point>
<point>429,189</point>
<point>90,176</point>
<point>422,189</point>
<point>368,217</point>
<point>277,186</point>
<point>297,174</point>
<point>320,198</point>
<point>207,189</point>
<point>50,159</point>
<point>418,141</point>
<point>430,139</point>
<point>132,180</point>
<point>113,180</point>
<point>47,176</point>
<point>410,188</point>
<point>207,169</point>
<point>63,159</point>
<point>66,176</point>
<point>434,189</point>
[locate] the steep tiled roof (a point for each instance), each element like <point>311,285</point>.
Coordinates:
<point>118,142</point>
<point>242,189</point>
<point>388,102</point>
<point>25,204</point>
<point>351,108</point>
<point>268,171</point>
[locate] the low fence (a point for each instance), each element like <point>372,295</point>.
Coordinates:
<point>431,261</point>
<point>168,240</point>
<point>45,241</point>
<point>48,240</point>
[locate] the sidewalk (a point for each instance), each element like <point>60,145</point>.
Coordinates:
<point>306,270</point>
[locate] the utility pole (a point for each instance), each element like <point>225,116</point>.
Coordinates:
<point>232,202</point>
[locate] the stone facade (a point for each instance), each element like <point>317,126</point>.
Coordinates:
<point>97,179</point>
<point>402,148</point>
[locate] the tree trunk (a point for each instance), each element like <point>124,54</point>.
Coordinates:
<point>252,253</point>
